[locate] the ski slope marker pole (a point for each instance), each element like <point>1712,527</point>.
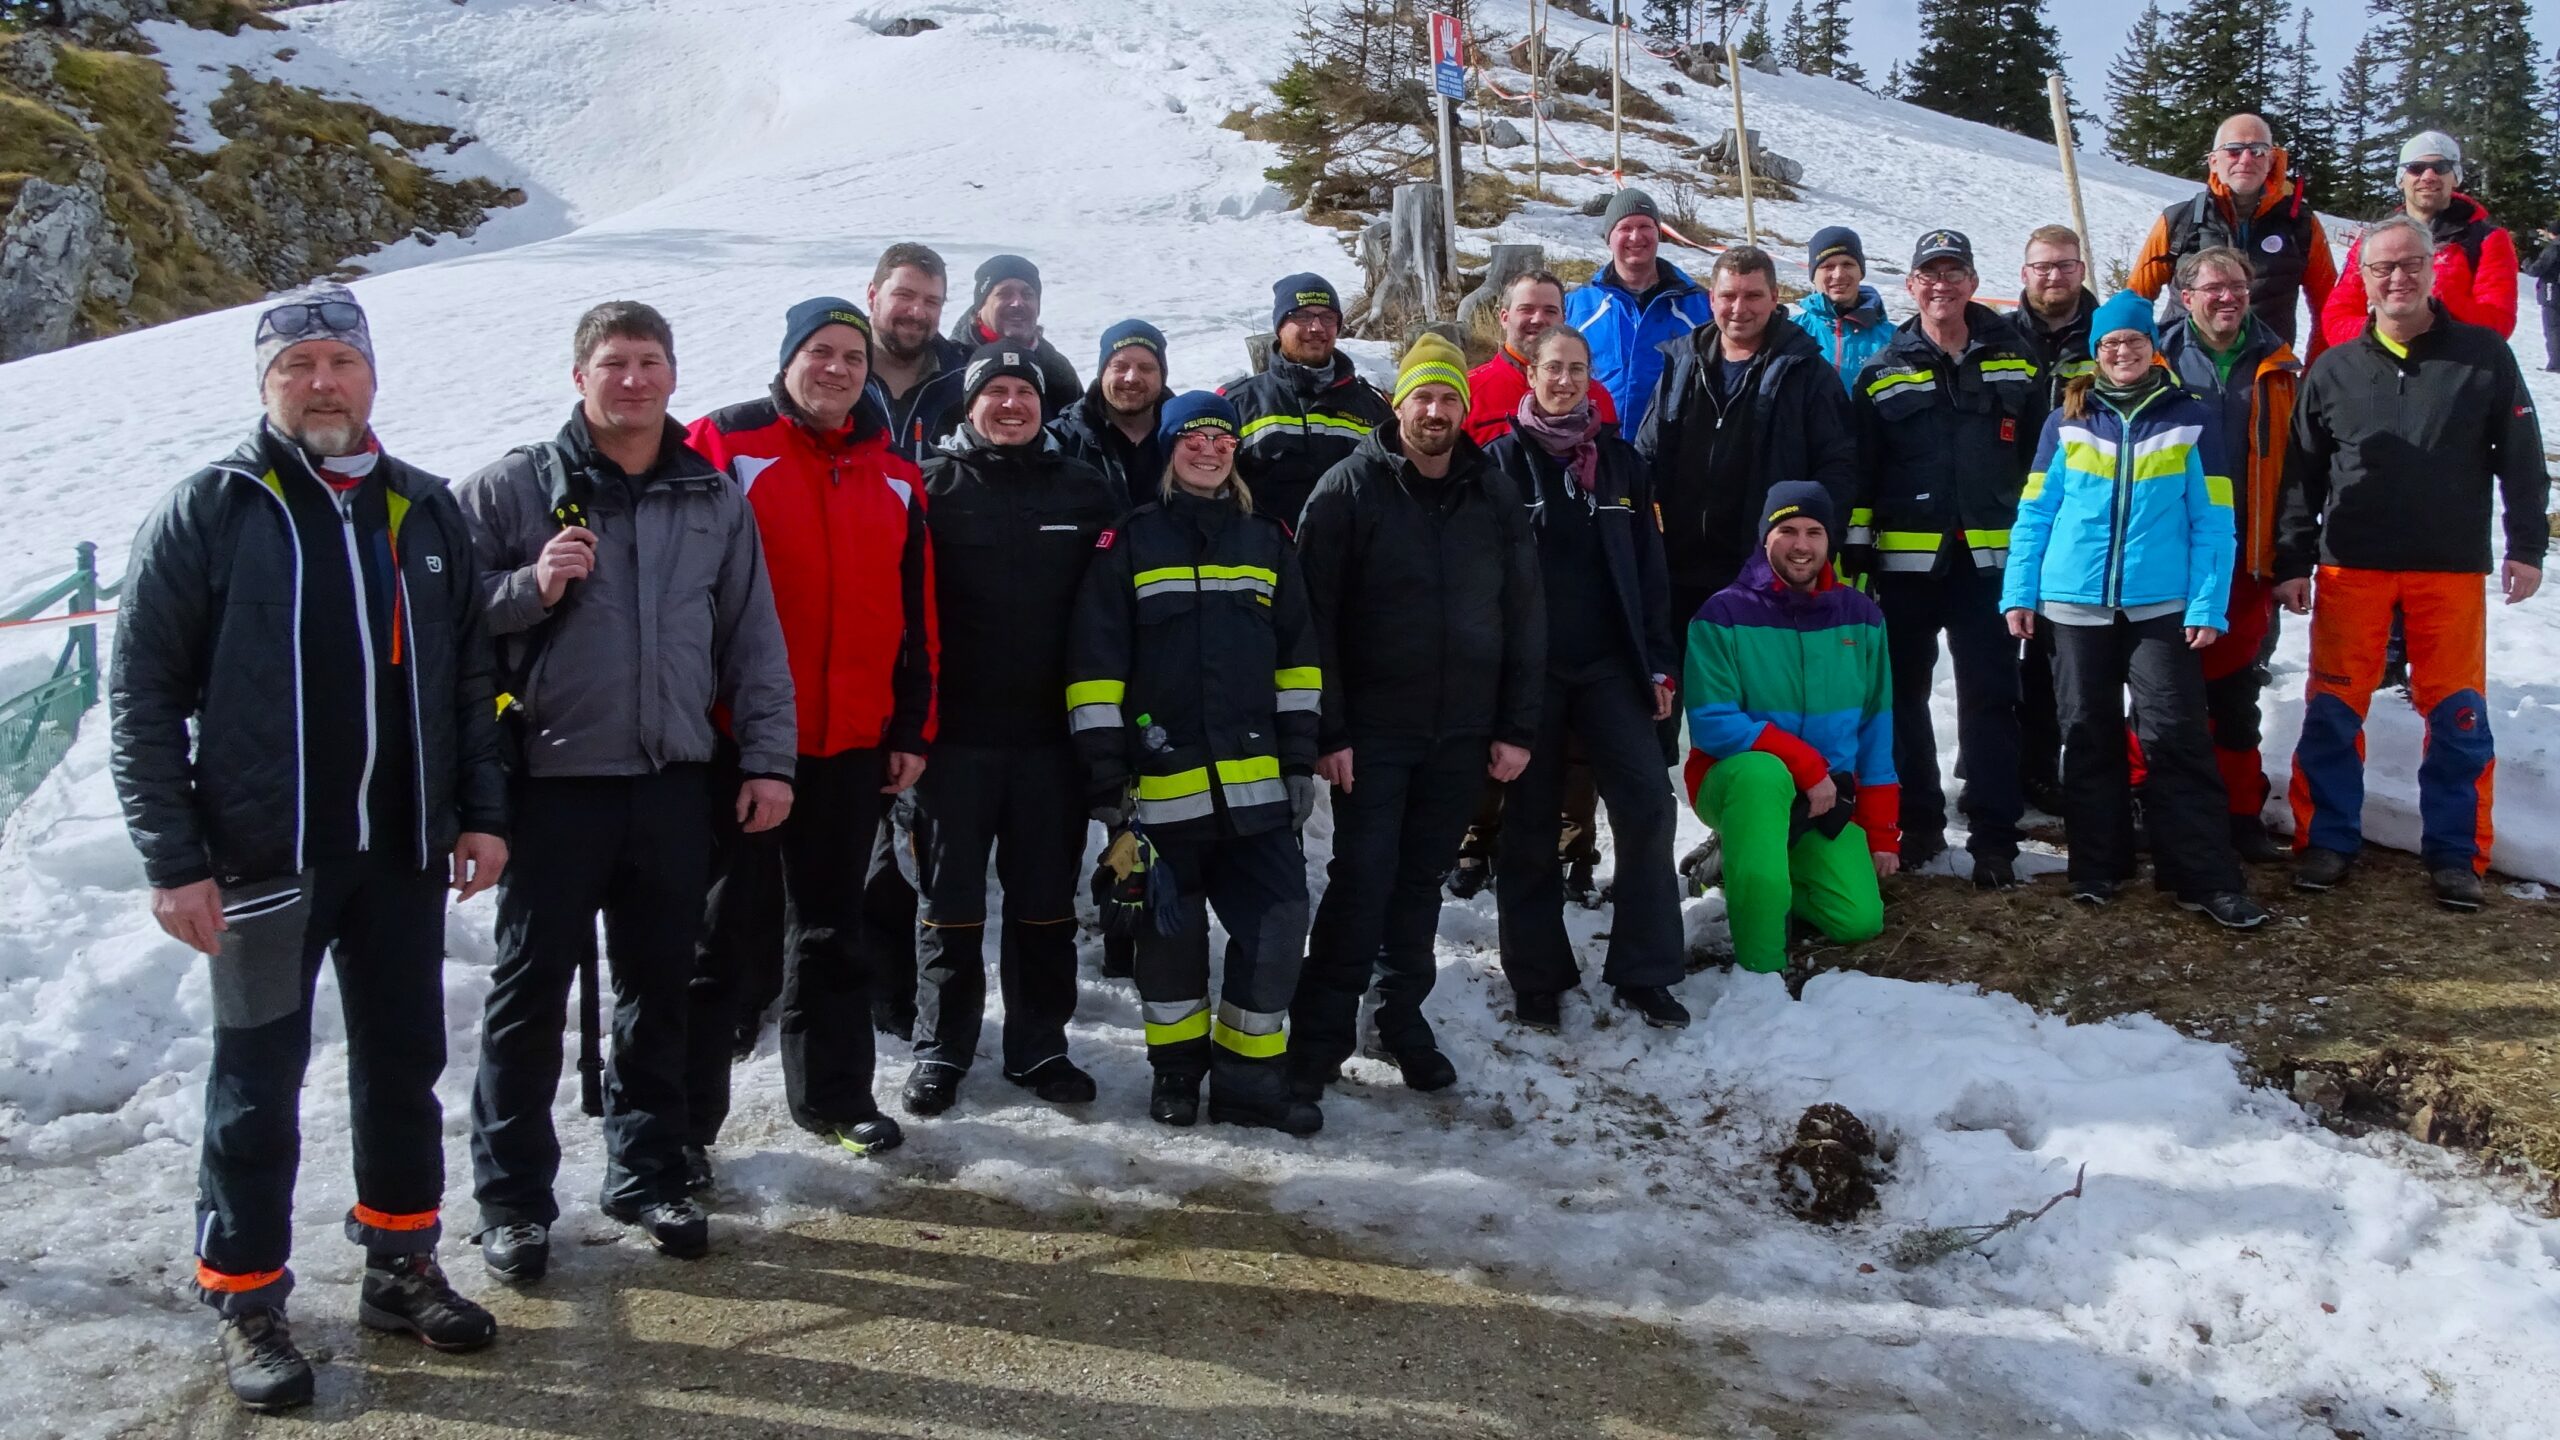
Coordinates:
<point>1741,145</point>
<point>2070,161</point>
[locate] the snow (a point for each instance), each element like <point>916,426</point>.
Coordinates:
<point>2231,1268</point>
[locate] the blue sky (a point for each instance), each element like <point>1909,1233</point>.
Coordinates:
<point>2093,31</point>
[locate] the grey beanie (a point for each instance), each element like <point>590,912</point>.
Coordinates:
<point>2434,142</point>
<point>322,310</point>
<point>1625,203</point>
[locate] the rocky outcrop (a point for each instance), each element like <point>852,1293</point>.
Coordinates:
<point>58,252</point>
<point>111,223</point>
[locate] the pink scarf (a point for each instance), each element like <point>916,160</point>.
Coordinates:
<point>1573,437</point>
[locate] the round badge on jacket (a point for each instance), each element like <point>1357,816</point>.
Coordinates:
<point>2272,244</point>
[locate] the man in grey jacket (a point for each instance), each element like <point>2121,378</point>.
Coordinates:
<point>626,584</point>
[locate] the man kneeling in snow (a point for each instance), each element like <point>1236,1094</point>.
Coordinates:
<point>1791,729</point>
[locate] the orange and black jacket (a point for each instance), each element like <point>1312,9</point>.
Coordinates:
<point>2255,407</point>
<point>2394,457</point>
<point>2288,251</point>
<point>841,514</point>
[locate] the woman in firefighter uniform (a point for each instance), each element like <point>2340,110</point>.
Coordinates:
<point>1192,694</point>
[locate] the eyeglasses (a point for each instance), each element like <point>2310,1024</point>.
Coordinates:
<point>1210,439</point>
<point>2119,344</point>
<point>1314,318</point>
<point>2043,268</point>
<point>2254,149</point>
<point>2220,292</point>
<point>327,317</point>
<point>2412,267</point>
<point>2427,167</point>
<point>1948,279</point>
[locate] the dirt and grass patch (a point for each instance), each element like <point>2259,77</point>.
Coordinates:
<point>2373,1005</point>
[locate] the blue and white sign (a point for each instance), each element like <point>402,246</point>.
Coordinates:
<point>1448,57</point>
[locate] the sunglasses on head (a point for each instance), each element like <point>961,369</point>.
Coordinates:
<point>325,317</point>
<point>2427,167</point>
<point>2253,148</point>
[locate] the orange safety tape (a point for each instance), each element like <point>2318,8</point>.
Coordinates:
<point>40,621</point>
<point>384,1220</point>
<point>220,1284</point>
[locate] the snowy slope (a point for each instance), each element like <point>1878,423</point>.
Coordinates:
<point>2229,1268</point>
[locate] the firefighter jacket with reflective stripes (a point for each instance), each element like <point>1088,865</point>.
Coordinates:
<point>215,635</point>
<point>2253,403</point>
<point>2126,508</point>
<point>1944,446</point>
<point>1299,423</point>
<point>841,515</point>
<point>1192,669</point>
<point>1429,610</point>
<point>1013,528</point>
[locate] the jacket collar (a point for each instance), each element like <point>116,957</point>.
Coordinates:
<point>1386,445</point>
<point>2458,215</point>
<point>1672,281</point>
<point>1866,311</point>
<point>677,463</point>
<point>1985,328</point>
<point>967,443</point>
<point>2280,188</point>
<point>2032,325</point>
<point>865,422</point>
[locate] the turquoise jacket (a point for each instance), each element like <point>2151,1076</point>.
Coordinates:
<point>1846,340</point>
<point>2126,509</point>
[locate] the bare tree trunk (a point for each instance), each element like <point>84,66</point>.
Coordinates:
<point>1405,262</point>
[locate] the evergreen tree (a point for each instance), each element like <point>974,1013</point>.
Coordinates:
<point>1827,44</point>
<point>1986,60</point>
<point>2468,67</point>
<point>2365,150</point>
<point>1668,21</point>
<point>1795,45</point>
<point>2141,123</point>
<point>1894,88</point>
<point>2222,59</point>
<point>1756,45</point>
<point>2304,124</point>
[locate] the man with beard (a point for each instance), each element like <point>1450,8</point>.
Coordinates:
<point>1006,306</point>
<point>624,576</point>
<point>915,373</point>
<point>1113,426</point>
<point>1307,412</point>
<point>2054,307</point>
<point>306,608</point>
<point>1422,578</point>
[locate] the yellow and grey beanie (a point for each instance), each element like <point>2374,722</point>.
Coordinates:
<point>1431,360</point>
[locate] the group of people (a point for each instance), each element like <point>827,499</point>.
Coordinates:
<point>771,692</point>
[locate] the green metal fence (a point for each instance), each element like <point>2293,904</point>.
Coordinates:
<point>39,724</point>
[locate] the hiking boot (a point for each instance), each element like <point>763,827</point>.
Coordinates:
<point>1469,879</point>
<point>1057,1081</point>
<point>1540,1012</point>
<point>869,1137</point>
<point>1702,869</point>
<point>2320,869</point>
<point>1656,1004</point>
<point>1309,1077</point>
<point>1919,850</point>
<point>2227,908</point>
<point>1425,1069</point>
<point>1174,1100</point>
<point>409,1292</point>
<point>931,1088</point>
<point>2045,795</point>
<point>266,1372</point>
<point>2256,846</point>
<point>697,1170</point>
<point>2094,892</point>
<point>2457,887</point>
<point>518,1254</point>
<point>677,1228</point>
<point>1995,872</point>
<point>1288,1116</point>
<point>1578,886</point>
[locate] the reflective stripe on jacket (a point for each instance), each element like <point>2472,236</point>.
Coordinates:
<point>2126,509</point>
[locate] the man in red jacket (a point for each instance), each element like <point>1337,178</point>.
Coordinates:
<point>2475,261</point>
<point>841,513</point>
<point>1533,305</point>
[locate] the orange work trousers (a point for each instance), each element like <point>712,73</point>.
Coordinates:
<point>2447,627</point>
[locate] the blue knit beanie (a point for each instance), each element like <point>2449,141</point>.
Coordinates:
<point>1793,499</point>
<point>1128,333</point>
<point>1195,410</point>
<point>2125,310</point>
<point>811,316</point>
<point>1303,291</point>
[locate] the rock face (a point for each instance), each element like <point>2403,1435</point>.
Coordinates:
<point>58,250</point>
<point>1503,135</point>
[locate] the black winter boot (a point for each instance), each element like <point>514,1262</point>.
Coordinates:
<point>1257,1093</point>
<point>409,1292</point>
<point>1058,1081</point>
<point>677,1228</point>
<point>2250,838</point>
<point>266,1372</point>
<point>1175,1100</point>
<point>518,1254</point>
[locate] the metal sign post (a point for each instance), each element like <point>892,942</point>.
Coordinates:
<point>1449,82</point>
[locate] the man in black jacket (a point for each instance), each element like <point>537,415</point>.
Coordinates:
<point>2545,270</point>
<point>1423,581</point>
<point>1005,305</point>
<point>307,606</point>
<point>2403,441</point>
<point>629,589</point>
<point>1948,417</point>
<point>1310,409</point>
<point>915,375</point>
<point>2055,306</point>
<point>1746,402</point>
<point>1014,523</point>
<point>1113,427</point>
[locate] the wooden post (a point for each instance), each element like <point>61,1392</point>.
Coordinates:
<point>1449,177</point>
<point>1537,88</point>
<point>1617,106</point>
<point>2070,163</point>
<point>1741,145</point>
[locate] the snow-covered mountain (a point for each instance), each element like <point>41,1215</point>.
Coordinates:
<point>724,160</point>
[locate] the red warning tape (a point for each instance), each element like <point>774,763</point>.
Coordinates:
<point>40,621</point>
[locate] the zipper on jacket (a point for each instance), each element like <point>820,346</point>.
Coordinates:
<point>364,649</point>
<point>2120,522</point>
<point>417,727</point>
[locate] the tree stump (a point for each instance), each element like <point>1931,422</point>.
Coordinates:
<point>1405,263</point>
<point>1476,313</point>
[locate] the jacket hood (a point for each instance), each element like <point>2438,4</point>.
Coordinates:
<point>1868,309</point>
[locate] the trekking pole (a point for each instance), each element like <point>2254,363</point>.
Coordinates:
<point>590,1035</point>
<point>1741,145</point>
<point>2070,159</point>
